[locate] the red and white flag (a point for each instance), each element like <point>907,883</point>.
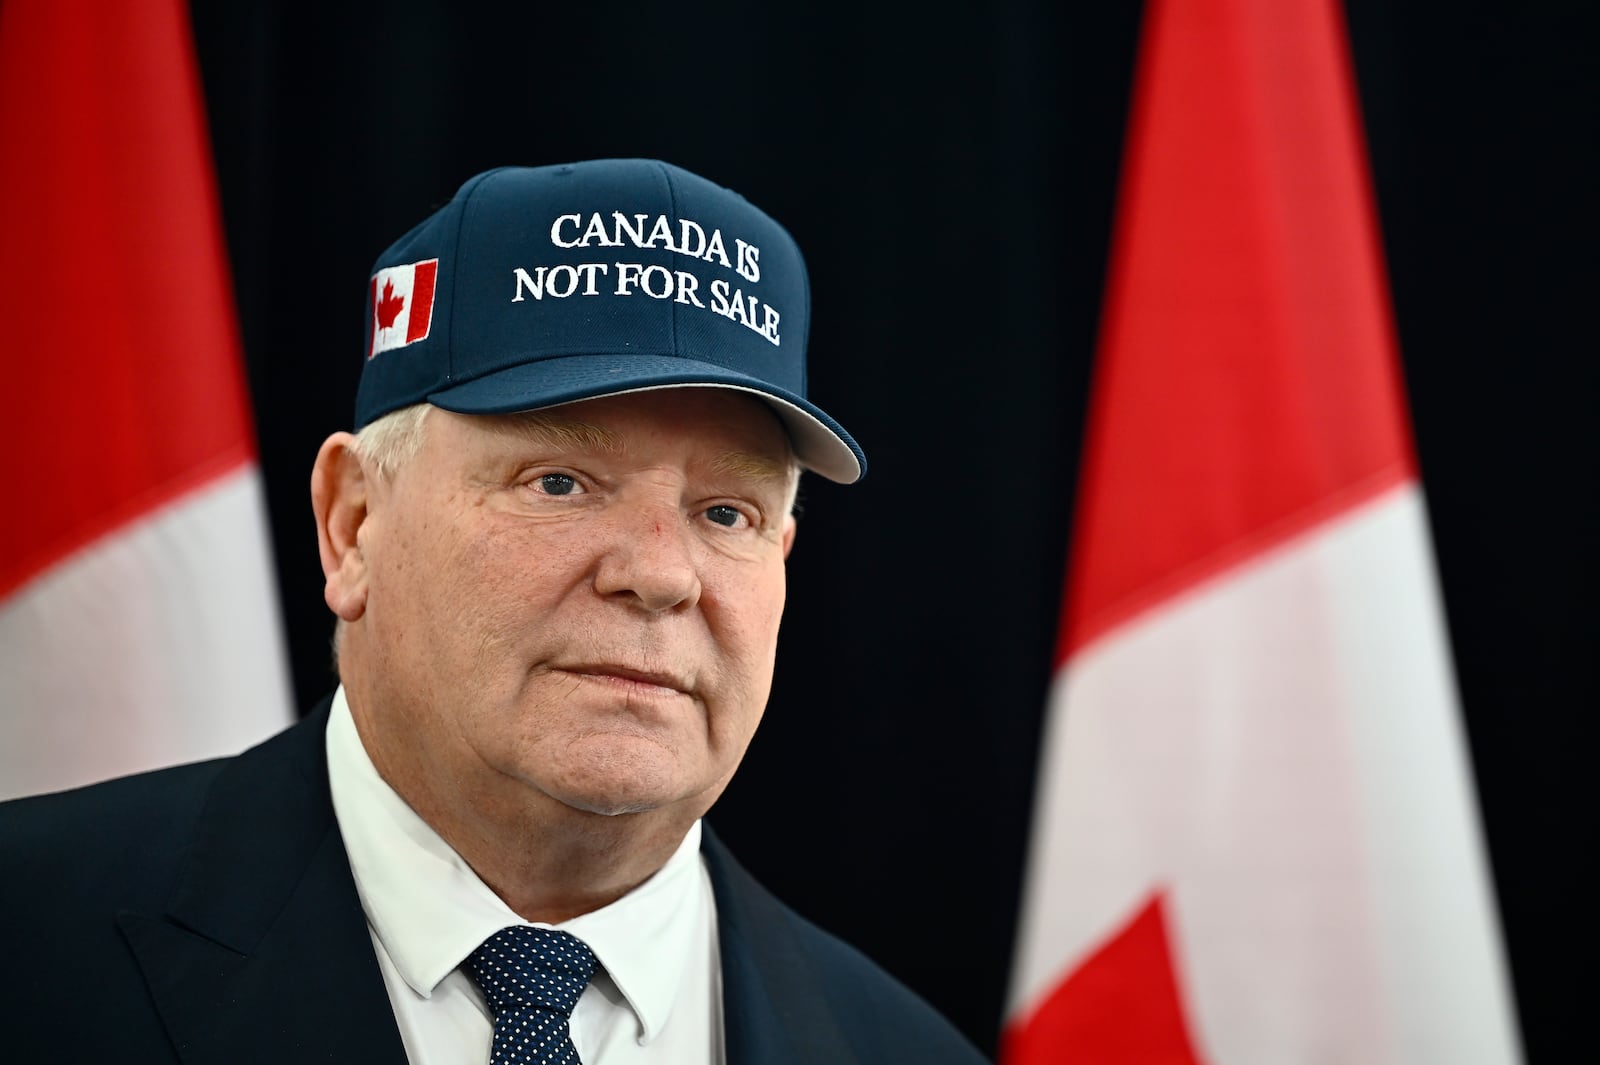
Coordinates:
<point>1255,840</point>
<point>138,624</point>
<point>401,303</point>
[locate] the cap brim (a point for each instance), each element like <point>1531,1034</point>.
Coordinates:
<point>820,443</point>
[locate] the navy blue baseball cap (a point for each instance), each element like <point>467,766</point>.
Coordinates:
<point>539,286</point>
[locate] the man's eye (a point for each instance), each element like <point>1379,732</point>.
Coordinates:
<point>558,484</point>
<point>728,516</point>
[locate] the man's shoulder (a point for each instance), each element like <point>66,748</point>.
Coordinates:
<point>873,1012</point>
<point>102,833</point>
<point>182,904</point>
<point>88,844</point>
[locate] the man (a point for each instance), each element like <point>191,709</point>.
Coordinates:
<point>555,548</point>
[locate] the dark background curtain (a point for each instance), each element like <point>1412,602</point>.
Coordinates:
<point>950,172</point>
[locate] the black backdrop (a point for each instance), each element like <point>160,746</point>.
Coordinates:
<point>950,173</point>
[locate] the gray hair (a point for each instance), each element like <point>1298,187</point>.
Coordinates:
<point>394,439</point>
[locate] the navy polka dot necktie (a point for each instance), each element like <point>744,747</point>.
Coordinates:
<point>532,978</point>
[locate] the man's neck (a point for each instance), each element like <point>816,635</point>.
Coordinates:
<point>551,869</point>
<point>547,861</point>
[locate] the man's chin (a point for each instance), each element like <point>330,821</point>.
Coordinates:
<point>611,807</point>
<point>614,773</point>
<point>635,797</point>
<point>618,791</point>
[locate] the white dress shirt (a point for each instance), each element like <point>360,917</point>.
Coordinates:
<point>656,996</point>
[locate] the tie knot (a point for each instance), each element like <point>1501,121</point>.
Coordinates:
<point>522,968</point>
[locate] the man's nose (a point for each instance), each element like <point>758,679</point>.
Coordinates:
<point>649,557</point>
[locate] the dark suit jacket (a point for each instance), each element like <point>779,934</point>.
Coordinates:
<point>207,914</point>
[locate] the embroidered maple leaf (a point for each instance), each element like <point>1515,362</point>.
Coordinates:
<point>389,306</point>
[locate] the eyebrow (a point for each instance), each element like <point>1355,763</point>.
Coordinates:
<point>761,468</point>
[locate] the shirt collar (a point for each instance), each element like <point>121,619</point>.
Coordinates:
<point>430,910</point>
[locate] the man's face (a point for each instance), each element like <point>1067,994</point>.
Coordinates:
<point>583,603</point>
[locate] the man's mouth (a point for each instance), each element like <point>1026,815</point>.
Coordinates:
<point>639,680</point>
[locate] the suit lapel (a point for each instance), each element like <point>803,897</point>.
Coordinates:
<point>773,1011</point>
<point>263,953</point>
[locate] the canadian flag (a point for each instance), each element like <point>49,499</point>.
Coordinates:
<point>401,301</point>
<point>1255,840</point>
<point>138,624</point>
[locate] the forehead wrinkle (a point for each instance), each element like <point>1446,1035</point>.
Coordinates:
<point>550,429</point>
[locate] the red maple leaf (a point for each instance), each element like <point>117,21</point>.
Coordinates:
<point>389,306</point>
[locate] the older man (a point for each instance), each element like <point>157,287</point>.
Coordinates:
<point>555,547</point>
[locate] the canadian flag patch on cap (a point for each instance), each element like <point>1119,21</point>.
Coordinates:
<point>401,299</point>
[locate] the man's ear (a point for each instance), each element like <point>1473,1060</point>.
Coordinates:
<point>339,492</point>
<point>790,527</point>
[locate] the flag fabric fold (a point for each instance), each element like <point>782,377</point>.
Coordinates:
<point>138,624</point>
<point>1255,839</point>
